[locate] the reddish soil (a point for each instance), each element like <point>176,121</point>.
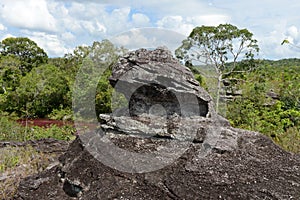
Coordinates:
<point>43,122</point>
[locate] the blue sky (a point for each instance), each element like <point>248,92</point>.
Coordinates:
<point>58,26</point>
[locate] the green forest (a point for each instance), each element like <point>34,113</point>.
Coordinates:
<point>264,98</point>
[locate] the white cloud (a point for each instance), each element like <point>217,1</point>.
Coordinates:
<point>51,43</point>
<point>140,19</point>
<point>118,20</point>
<point>161,8</point>
<point>30,14</point>
<point>68,36</point>
<point>176,23</point>
<point>131,39</point>
<point>270,43</point>
<point>209,20</point>
<point>2,27</point>
<point>170,21</point>
<point>148,38</point>
<point>186,25</point>
<point>94,28</point>
<point>70,24</point>
<point>85,10</point>
<point>7,36</point>
<point>89,17</point>
<point>100,27</point>
<point>293,33</point>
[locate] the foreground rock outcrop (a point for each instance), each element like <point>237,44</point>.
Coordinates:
<point>168,144</point>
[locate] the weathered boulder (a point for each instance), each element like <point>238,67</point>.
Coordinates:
<point>179,153</point>
<point>149,78</point>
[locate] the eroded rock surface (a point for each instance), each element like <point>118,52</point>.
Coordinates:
<point>48,145</point>
<point>149,78</point>
<point>217,161</point>
<point>246,166</point>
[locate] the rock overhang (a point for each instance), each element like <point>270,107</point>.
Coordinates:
<point>154,77</point>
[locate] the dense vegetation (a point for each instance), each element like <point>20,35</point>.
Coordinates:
<point>270,102</point>
<point>35,86</point>
<point>32,85</point>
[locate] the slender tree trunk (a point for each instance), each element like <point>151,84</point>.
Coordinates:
<point>218,93</point>
<point>3,88</point>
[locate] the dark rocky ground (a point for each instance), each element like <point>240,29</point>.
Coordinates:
<point>255,169</point>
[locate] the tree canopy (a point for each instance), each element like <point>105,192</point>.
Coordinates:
<point>92,78</point>
<point>214,46</point>
<point>43,89</point>
<point>29,53</point>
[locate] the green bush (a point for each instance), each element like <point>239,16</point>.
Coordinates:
<point>290,140</point>
<point>61,114</point>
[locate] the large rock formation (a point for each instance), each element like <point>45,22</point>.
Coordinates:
<point>168,144</point>
<point>148,78</point>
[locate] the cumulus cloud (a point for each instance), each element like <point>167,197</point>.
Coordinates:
<point>7,36</point>
<point>270,43</point>
<point>148,38</point>
<point>68,36</point>
<point>292,34</point>
<point>132,39</point>
<point>30,14</point>
<point>84,22</point>
<point>186,25</point>
<point>90,18</point>
<point>93,28</point>
<point>176,23</point>
<point>209,20</point>
<point>2,27</point>
<point>51,43</point>
<point>140,19</point>
<point>167,7</point>
<point>118,20</point>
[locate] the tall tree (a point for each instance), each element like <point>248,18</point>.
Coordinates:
<point>43,89</point>
<point>214,47</point>
<point>29,53</point>
<point>92,89</point>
